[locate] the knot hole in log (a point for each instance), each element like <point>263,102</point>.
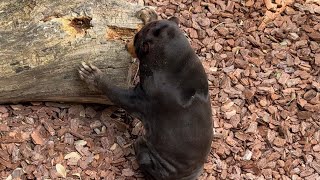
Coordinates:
<point>81,23</point>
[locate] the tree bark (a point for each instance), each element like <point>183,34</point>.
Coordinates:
<point>42,42</point>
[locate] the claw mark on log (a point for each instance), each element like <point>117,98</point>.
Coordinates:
<point>115,33</point>
<point>14,63</point>
<point>22,68</point>
<point>49,18</point>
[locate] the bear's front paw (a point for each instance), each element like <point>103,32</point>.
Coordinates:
<point>90,74</point>
<point>147,15</point>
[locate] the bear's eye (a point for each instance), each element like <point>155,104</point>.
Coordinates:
<point>158,30</point>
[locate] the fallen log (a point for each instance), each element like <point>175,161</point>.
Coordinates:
<point>43,42</point>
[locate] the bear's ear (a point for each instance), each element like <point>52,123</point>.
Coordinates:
<point>174,19</point>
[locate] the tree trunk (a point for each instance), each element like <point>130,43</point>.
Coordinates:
<point>42,42</point>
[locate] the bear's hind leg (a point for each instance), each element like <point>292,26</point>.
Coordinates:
<point>150,166</point>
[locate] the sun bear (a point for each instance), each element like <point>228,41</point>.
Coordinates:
<point>171,99</point>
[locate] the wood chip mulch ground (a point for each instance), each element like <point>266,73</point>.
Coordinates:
<point>263,64</point>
